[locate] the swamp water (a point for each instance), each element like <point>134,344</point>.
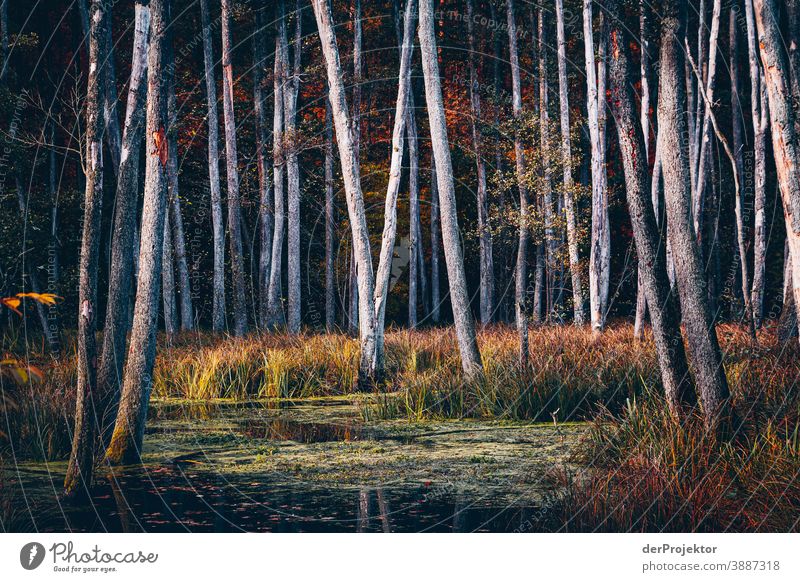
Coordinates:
<point>308,465</point>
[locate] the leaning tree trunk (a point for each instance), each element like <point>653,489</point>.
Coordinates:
<point>464,324</point>
<point>521,277</point>
<point>290,92</point>
<point>123,249</point>
<point>579,311</point>
<point>652,256</point>
<point>274,306</point>
<point>701,335</point>
<point>417,278</point>
<point>395,171</point>
<point>352,186</point>
<point>484,232</point>
<point>81,461</point>
<point>126,440</point>
<point>265,207</point>
<point>785,146</point>
<point>218,307</point>
<point>330,241</point>
<point>759,112</point>
<point>599,261</point>
<point>231,160</point>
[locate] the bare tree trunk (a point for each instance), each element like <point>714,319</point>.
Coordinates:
<point>218,307</point>
<point>79,475</point>
<point>111,132</point>
<point>274,306</point>
<point>231,160</point>
<point>459,298</point>
<point>521,277</point>
<point>787,322</point>
<point>578,304</point>
<point>738,148</point>
<point>435,233</point>
<point>600,257</point>
<point>652,256</point>
<point>644,113</point>
<point>785,147</point>
<point>265,206</point>
<point>356,128</point>
<point>759,112</point>
<point>705,124</point>
<point>123,244</point>
<point>396,167</point>
<point>550,242</point>
<point>352,184</point>
<point>291,90</point>
<point>168,278</point>
<point>330,282</point>
<point>176,217</point>
<point>126,440</point>
<point>700,332</point>
<point>484,232</point>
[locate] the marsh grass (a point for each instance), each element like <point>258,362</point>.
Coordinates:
<point>646,472</point>
<point>640,470</point>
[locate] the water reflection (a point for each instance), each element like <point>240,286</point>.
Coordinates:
<point>174,499</point>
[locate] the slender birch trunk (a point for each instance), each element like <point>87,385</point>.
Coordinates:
<point>176,216</point>
<point>291,90</point>
<point>168,277</point>
<point>738,148</point>
<point>521,276</point>
<point>464,324</point>
<point>435,234</point>
<point>701,335</point>
<point>759,113</point>
<point>484,232</point>
<point>551,241</point>
<point>705,125</point>
<point>785,146</point>
<point>356,128</point>
<point>417,278</point>
<point>126,440</point>
<point>231,160</point>
<point>218,306</point>
<point>652,256</point>
<point>330,241</point>
<point>80,471</point>
<point>265,205</point>
<point>599,260</point>
<point>274,306</point>
<point>578,303</point>
<point>395,171</point>
<point>352,184</point>
<point>644,114</point>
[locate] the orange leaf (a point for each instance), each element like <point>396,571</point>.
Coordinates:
<point>12,303</point>
<point>43,298</point>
